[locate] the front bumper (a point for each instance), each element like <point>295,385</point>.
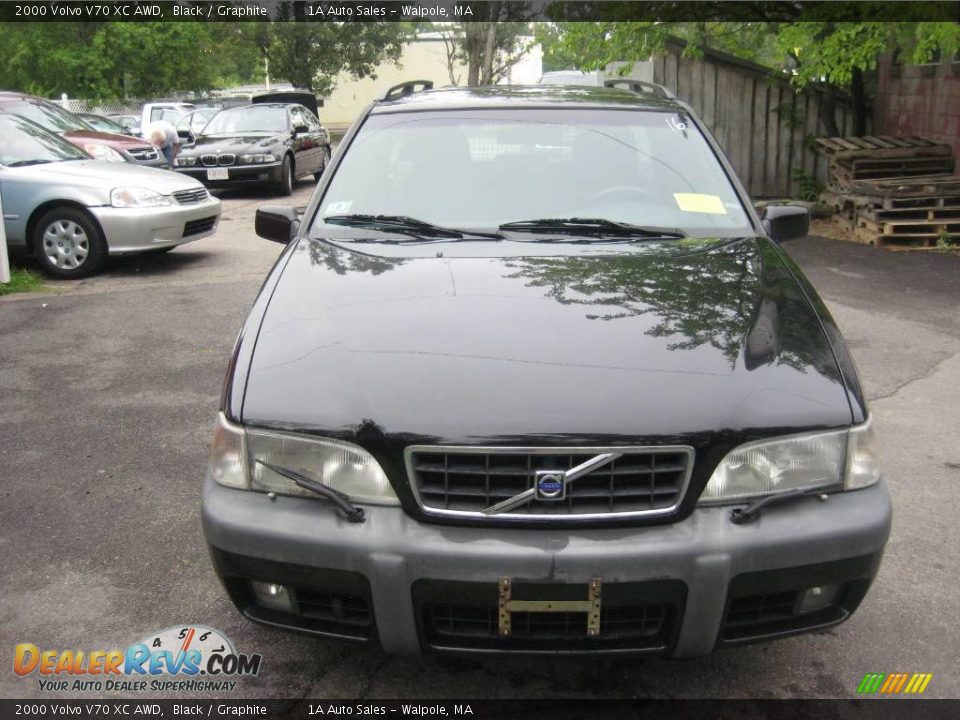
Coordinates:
<point>697,583</point>
<point>132,230</point>
<point>238,174</point>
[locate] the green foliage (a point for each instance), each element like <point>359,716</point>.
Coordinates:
<point>110,60</point>
<point>555,57</point>
<point>101,61</point>
<point>808,186</point>
<point>945,242</point>
<point>21,281</point>
<point>809,51</point>
<point>833,51</point>
<point>594,45</point>
<point>312,55</point>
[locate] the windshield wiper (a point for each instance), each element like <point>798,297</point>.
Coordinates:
<point>24,163</point>
<point>407,225</point>
<point>353,513</point>
<point>593,227</point>
<point>739,516</point>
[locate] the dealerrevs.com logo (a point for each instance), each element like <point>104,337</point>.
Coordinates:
<point>187,658</point>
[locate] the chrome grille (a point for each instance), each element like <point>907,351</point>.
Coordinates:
<point>464,481</point>
<point>191,197</point>
<point>212,160</point>
<point>144,154</point>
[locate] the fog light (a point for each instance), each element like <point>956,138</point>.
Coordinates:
<point>271,595</point>
<point>818,598</point>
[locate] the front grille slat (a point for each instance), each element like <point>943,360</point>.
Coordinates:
<point>509,471</point>
<point>143,154</point>
<point>464,481</point>
<point>191,196</point>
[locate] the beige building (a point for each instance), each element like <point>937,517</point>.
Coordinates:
<point>423,59</point>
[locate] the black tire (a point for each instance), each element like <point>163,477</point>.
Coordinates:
<point>68,244</point>
<point>326,161</point>
<point>285,186</point>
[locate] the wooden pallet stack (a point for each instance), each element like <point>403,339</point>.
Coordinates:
<point>895,192</point>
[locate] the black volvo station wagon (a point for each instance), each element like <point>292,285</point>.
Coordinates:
<point>532,375</point>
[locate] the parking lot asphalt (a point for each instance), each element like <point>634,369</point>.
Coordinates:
<point>108,391</point>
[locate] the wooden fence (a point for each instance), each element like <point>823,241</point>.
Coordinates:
<point>764,125</point>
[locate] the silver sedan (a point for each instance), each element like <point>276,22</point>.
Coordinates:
<point>71,211</point>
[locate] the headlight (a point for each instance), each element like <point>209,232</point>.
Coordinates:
<point>137,197</point>
<point>338,465</point>
<point>182,161</point>
<point>257,158</point>
<point>830,460</point>
<point>228,455</point>
<point>862,467</point>
<point>103,152</point>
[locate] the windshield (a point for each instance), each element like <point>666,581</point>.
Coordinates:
<point>52,117</point>
<point>199,118</point>
<point>25,143</point>
<point>248,119</point>
<point>481,169</point>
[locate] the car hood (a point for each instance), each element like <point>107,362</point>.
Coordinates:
<point>100,175</point>
<point>653,345</point>
<point>126,142</point>
<point>234,144</point>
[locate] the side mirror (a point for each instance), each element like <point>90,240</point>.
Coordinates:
<point>785,222</point>
<point>300,129</point>
<point>279,223</point>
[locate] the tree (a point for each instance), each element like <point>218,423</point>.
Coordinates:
<point>494,41</point>
<point>596,45</point>
<point>105,61</point>
<point>809,47</point>
<point>312,54</point>
<point>839,53</point>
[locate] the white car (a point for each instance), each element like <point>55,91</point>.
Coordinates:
<point>71,211</point>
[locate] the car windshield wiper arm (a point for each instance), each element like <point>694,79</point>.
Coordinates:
<point>739,516</point>
<point>353,513</point>
<point>591,226</point>
<point>24,163</point>
<point>408,225</point>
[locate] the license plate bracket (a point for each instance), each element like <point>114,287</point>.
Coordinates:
<point>506,606</point>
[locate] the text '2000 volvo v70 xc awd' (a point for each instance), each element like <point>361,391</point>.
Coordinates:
<point>531,375</point>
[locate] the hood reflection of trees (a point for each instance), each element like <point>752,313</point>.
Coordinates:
<point>342,261</point>
<point>733,297</point>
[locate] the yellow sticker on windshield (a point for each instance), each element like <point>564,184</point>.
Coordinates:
<point>695,202</point>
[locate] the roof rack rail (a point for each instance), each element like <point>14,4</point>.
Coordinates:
<point>407,88</point>
<point>639,86</point>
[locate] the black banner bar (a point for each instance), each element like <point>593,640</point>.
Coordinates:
<point>500,709</point>
<point>470,11</point>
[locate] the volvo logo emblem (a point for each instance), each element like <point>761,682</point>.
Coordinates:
<point>550,485</point>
